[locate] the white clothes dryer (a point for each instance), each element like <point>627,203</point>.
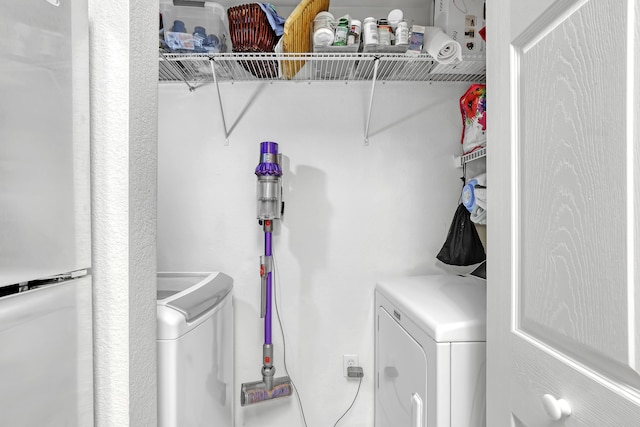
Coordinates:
<point>430,351</point>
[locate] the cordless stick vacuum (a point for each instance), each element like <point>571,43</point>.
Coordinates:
<point>269,192</point>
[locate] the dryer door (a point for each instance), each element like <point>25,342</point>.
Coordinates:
<point>401,394</point>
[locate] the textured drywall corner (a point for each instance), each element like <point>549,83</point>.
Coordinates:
<point>123,159</point>
<point>143,153</point>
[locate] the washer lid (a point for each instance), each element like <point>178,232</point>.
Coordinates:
<point>192,293</point>
<point>187,299</point>
<point>448,308</point>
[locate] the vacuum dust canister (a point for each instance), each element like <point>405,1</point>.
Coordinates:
<point>269,186</point>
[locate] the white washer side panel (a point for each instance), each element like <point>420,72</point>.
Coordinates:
<point>402,371</point>
<point>468,384</point>
<point>195,374</point>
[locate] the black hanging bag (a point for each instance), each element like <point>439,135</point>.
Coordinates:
<point>463,245</point>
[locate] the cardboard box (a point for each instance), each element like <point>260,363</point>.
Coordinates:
<point>462,20</point>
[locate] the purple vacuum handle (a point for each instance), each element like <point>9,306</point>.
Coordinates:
<point>267,316</point>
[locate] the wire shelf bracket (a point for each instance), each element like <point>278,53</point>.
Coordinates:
<point>224,121</point>
<point>460,161</point>
<point>376,62</point>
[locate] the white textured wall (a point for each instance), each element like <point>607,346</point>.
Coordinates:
<point>353,214</point>
<point>143,154</point>
<point>124,141</point>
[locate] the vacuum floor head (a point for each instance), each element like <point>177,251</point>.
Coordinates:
<point>258,392</point>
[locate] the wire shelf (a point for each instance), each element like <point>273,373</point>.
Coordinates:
<point>195,69</point>
<point>469,157</point>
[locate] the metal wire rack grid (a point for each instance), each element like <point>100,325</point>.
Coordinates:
<point>469,157</point>
<point>202,68</point>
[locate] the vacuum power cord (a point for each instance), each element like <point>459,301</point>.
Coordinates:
<point>284,345</point>
<point>352,372</point>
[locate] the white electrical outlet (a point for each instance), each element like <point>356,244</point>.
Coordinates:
<point>348,360</point>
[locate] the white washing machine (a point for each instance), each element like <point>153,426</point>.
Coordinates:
<point>430,352</point>
<point>195,350</point>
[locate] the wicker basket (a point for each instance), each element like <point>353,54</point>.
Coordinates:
<point>251,33</point>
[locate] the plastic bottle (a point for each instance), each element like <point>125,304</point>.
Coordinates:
<point>370,31</point>
<point>402,33</point>
<point>199,36</point>
<point>354,32</point>
<point>342,31</point>
<point>384,33</point>
<point>178,27</point>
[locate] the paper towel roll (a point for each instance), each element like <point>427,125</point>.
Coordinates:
<point>443,48</point>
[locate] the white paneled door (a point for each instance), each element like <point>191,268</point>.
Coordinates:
<point>564,158</point>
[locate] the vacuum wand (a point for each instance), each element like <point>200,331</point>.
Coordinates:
<point>269,193</point>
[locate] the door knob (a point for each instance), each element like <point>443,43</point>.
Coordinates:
<point>556,408</point>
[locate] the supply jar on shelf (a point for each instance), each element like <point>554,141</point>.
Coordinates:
<point>402,33</point>
<point>354,32</point>
<point>370,31</point>
<point>323,29</point>
<point>342,32</point>
<point>335,36</point>
<point>338,67</point>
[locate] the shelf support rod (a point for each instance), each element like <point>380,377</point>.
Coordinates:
<point>224,122</point>
<point>373,89</point>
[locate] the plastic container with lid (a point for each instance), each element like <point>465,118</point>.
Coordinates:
<point>195,28</point>
<point>324,20</point>
<point>354,32</point>
<point>384,33</point>
<point>323,29</point>
<point>370,31</point>
<point>323,37</point>
<point>402,33</point>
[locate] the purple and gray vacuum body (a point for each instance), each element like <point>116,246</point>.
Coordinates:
<point>269,193</point>
<point>269,189</point>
